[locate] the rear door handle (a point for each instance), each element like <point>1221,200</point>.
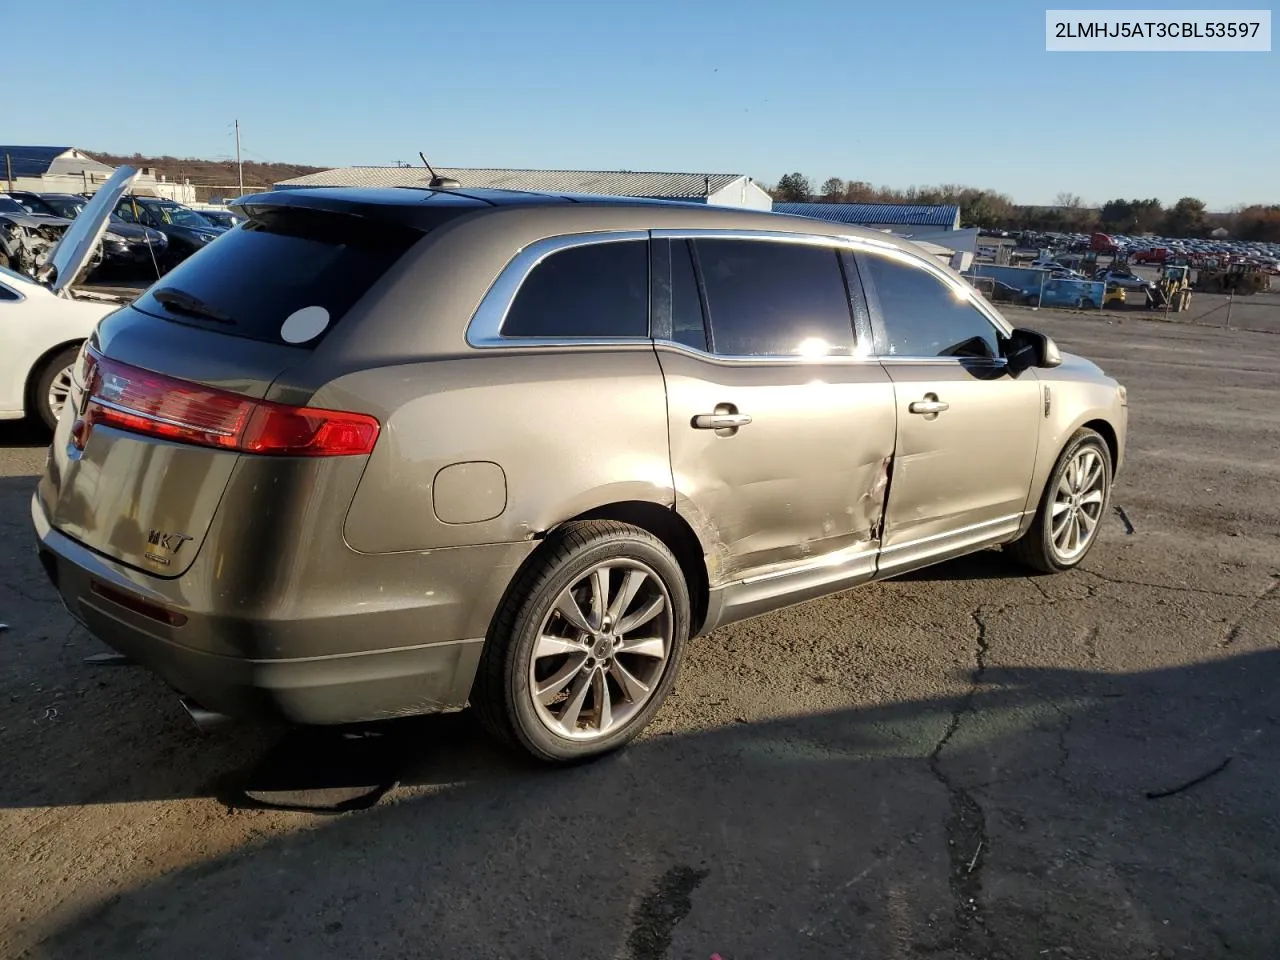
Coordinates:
<point>931,407</point>
<point>720,421</point>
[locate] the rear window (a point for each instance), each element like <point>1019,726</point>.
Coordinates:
<point>307,265</point>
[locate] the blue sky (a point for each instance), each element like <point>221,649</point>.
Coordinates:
<point>895,93</point>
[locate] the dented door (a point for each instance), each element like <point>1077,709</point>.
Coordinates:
<point>965,470</point>
<point>805,477</point>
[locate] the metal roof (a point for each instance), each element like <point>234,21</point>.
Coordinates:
<point>29,161</point>
<point>874,213</point>
<point>627,183</point>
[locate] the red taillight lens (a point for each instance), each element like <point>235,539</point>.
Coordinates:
<point>154,405</point>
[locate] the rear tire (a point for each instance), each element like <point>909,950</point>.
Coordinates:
<point>1072,507</point>
<point>53,386</point>
<point>566,686</point>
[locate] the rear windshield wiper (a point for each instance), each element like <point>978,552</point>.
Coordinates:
<point>181,302</point>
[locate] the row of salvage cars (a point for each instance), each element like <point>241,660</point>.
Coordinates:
<point>50,244</point>
<point>147,234</point>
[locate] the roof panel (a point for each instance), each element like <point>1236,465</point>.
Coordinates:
<point>873,213</point>
<point>608,182</point>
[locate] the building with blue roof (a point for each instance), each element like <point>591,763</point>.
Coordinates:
<point>900,218</point>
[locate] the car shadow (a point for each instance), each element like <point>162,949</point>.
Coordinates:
<point>992,564</point>
<point>1041,808</point>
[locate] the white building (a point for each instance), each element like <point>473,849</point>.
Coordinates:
<point>718,189</point>
<point>68,170</point>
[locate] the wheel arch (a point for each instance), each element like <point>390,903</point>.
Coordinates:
<point>674,532</point>
<point>1108,433</point>
<point>37,369</point>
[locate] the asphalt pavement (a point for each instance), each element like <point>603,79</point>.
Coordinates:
<point>963,763</point>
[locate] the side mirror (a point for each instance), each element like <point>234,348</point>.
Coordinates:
<point>1031,348</point>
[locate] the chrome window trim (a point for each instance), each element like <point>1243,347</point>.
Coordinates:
<point>485,328</point>
<point>788,358</point>
<point>858,245</point>
<point>895,360</point>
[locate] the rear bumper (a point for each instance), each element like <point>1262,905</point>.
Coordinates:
<point>372,678</point>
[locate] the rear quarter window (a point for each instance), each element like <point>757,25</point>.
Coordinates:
<point>591,290</point>
<point>252,279</point>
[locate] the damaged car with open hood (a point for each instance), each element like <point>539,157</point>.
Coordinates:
<point>45,313</point>
<point>376,453</point>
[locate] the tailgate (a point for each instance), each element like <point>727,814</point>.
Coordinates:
<point>178,380</point>
<point>143,500</point>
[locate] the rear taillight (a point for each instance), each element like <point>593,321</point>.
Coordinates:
<point>154,405</point>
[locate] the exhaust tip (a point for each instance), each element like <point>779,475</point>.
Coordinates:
<point>205,720</point>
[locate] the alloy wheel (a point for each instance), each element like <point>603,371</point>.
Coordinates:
<point>1077,504</point>
<point>59,391</point>
<point>601,650</point>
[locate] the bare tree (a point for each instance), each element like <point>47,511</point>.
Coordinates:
<point>1067,200</point>
<point>833,189</point>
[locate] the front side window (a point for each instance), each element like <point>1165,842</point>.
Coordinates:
<point>774,299</point>
<point>592,290</point>
<point>922,316</point>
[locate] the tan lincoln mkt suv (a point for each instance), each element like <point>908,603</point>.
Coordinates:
<point>386,452</point>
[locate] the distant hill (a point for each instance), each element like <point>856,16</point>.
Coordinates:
<point>212,178</point>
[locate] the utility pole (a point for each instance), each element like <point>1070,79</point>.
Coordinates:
<point>239,162</point>
<point>8,163</point>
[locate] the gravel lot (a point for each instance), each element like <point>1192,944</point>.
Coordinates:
<point>963,763</point>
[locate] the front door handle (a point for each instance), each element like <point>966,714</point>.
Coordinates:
<point>930,406</point>
<point>720,421</point>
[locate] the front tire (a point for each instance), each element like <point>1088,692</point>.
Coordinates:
<point>586,644</point>
<point>53,386</point>
<point>1071,509</point>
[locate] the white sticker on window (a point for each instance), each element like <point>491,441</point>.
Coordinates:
<point>305,324</point>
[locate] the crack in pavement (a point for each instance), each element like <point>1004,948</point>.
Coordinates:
<point>1064,752</point>
<point>1163,586</point>
<point>966,823</point>
<point>1233,629</point>
<point>1043,592</point>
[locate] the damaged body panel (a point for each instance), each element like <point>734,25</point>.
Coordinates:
<point>944,485</point>
<point>804,479</point>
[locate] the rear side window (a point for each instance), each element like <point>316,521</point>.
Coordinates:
<point>592,290</point>
<point>250,281</point>
<point>921,315</point>
<point>774,299</point>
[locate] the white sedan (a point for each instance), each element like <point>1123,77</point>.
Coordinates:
<point>44,322</point>
<point>40,336</point>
